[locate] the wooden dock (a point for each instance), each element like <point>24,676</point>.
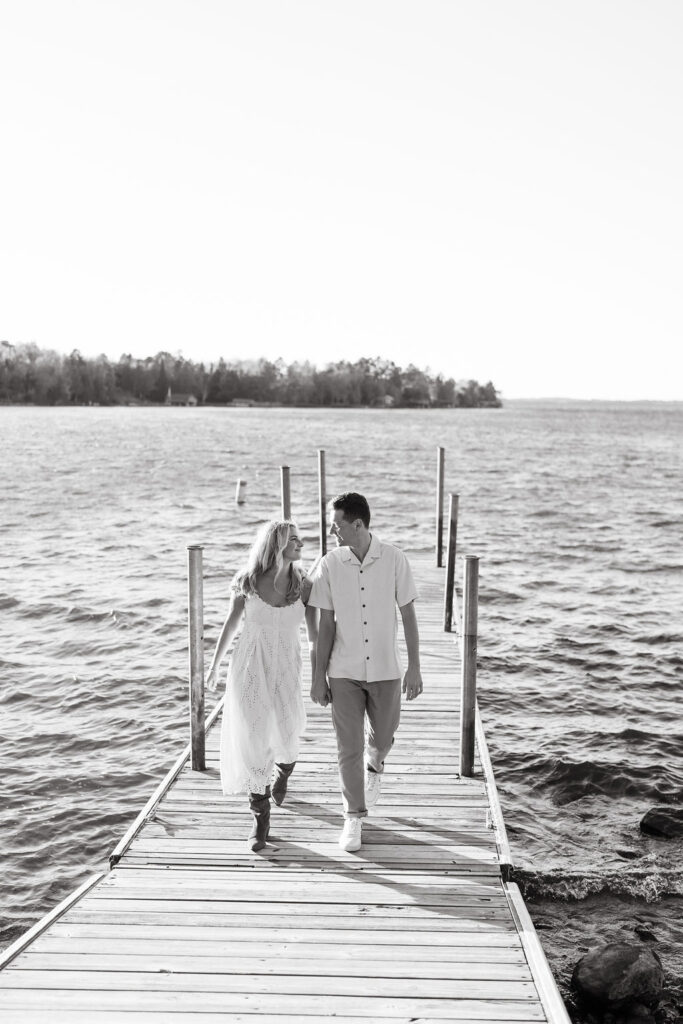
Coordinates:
<point>422,924</point>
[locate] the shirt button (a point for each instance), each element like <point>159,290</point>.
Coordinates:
<point>367,641</point>
<point>368,658</point>
<point>365,623</point>
<point>363,588</point>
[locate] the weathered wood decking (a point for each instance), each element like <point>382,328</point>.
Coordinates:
<point>420,925</point>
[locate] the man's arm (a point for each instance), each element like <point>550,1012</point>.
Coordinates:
<point>312,630</point>
<point>320,691</point>
<point>412,681</point>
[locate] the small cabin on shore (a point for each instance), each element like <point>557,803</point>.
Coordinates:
<point>179,398</point>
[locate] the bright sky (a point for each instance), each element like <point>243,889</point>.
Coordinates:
<point>488,188</point>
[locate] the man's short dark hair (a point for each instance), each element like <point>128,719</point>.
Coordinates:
<point>354,506</point>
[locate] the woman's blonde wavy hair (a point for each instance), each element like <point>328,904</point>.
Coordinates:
<point>266,552</point>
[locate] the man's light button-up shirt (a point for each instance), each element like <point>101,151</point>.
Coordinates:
<point>363,596</point>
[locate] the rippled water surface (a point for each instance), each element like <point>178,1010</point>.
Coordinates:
<point>576,513</point>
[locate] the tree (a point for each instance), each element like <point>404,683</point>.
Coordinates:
<point>415,389</point>
<point>445,391</point>
<point>162,384</point>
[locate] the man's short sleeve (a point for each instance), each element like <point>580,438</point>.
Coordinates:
<point>321,592</point>
<point>406,591</point>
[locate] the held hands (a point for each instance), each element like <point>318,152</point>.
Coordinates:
<point>412,683</point>
<point>320,691</point>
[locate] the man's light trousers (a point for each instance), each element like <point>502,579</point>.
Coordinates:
<point>365,717</point>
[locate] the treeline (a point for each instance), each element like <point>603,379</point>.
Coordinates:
<point>30,375</point>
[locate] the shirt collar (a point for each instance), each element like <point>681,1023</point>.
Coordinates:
<point>371,554</point>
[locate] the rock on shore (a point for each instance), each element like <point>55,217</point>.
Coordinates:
<point>664,822</point>
<point>618,974</point>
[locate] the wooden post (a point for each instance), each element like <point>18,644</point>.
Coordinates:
<point>439,506</point>
<point>284,487</point>
<point>322,501</point>
<point>468,692</point>
<point>450,563</point>
<point>196,629</point>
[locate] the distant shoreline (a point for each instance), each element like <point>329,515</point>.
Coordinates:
<point>558,403</point>
<point>33,376</point>
<point>235,405</point>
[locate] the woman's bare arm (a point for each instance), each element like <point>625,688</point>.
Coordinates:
<point>232,621</point>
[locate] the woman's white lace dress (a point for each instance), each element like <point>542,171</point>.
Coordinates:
<point>263,714</point>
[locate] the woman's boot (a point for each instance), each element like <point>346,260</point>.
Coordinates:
<point>260,808</point>
<point>280,779</point>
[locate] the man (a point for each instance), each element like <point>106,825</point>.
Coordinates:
<point>357,588</point>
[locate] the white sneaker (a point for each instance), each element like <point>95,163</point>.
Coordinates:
<point>373,788</point>
<point>350,839</point>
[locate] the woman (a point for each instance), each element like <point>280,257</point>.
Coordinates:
<point>263,714</point>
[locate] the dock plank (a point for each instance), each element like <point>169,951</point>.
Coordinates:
<point>170,1000</point>
<point>307,941</point>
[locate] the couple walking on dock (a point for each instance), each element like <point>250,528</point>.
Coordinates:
<point>349,604</point>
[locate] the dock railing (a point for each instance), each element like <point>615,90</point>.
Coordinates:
<point>449,585</point>
<point>440,456</point>
<point>195,586</point>
<point>466,639</point>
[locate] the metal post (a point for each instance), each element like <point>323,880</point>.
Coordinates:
<point>322,501</point>
<point>439,506</point>
<point>450,563</point>
<point>284,487</point>
<point>196,630</point>
<point>468,692</point>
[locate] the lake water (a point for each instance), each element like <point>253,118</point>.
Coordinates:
<point>575,511</point>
